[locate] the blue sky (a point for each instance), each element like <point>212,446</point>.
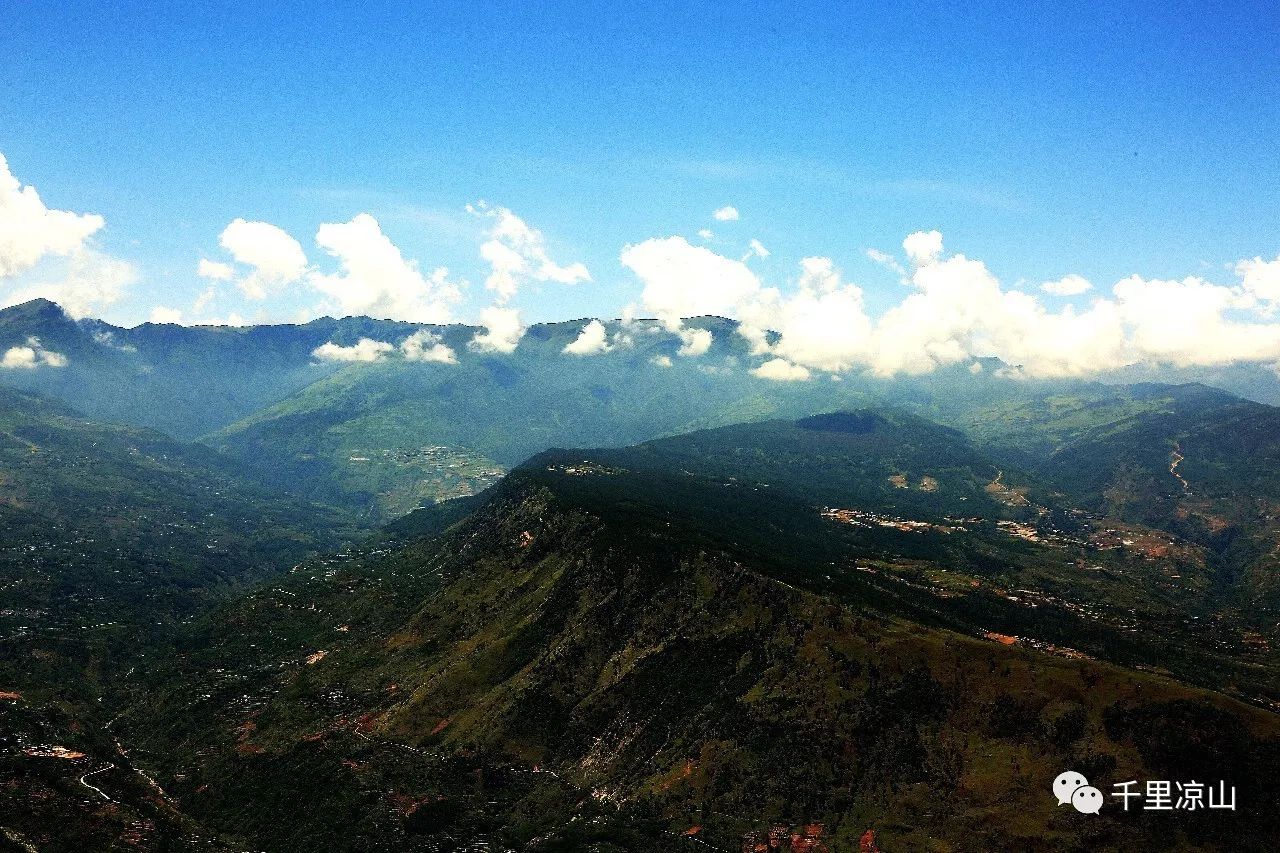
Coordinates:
<point>1044,139</point>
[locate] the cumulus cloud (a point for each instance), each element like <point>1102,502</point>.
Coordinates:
<point>923,247</point>
<point>31,356</point>
<point>84,284</point>
<point>274,258</point>
<point>376,280</point>
<point>1261,278</point>
<point>215,270</point>
<point>426,346</point>
<point>958,312</point>
<point>781,370</point>
<point>661,361</point>
<point>30,231</point>
<point>162,314</point>
<point>694,342</point>
<point>592,340</point>
<point>517,253</point>
<point>1068,285</point>
<point>682,280</point>
<point>1187,323</point>
<point>728,213</point>
<point>823,324</point>
<point>365,349</point>
<point>373,277</point>
<point>706,233</point>
<point>48,253</point>
<point>233,320</point>
<point>503,331</point>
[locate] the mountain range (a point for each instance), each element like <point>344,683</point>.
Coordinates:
<point>537,601</point>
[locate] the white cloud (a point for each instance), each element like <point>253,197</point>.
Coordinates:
<point>31,356</point>
<point>376,280</point>
<point>728,213</point>
<point>215,270</point>
<point>108,339</point>
<point>275,259</point>
<point>683,280</point>
<point>781,370</point>
<point>365,349</point>
<point>592,340</point>
<point>1068,285</point>
<point>756,249</point>
<point>823,325</point>
<point>694,342</point>
<point>957,312</point>
<point>425,345</point>
<point>923,247</point>
<point>887,261</point>
<point>233,320</point>
<point>1185,323</point>
<point>661,361</point>
<point>162,314</point>
<point>29,231</point>
<point>706,233</point>
<point>48,253</point>
<point>202,301</point>
<point>17,358</point>
<point>960,311</point>
<point>503,330</point>
<point>1261,278</point>
<point>517,253</point>
<point>84,284</point>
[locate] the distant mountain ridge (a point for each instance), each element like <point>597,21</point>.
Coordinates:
<point>191,381</point>
<point>182,380</point>
<point>386,437</point>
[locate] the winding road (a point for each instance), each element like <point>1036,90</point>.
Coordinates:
<point>1176,460</point>
<point>99,791</point>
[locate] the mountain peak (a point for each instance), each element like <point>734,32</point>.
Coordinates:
<point>38,308</point>
<point>851,422</point>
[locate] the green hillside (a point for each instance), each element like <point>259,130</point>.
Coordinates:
<point>183,381</point>
<point>1191,460</point>
<point>899,606</point>
<point>569,668</point>
<point>488,413</point>
<point>98,516</point>
<point>113,538</point>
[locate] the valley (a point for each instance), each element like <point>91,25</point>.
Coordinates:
<point>353,620</point>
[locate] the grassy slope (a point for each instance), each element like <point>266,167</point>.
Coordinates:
<point>675,677</point>
<point>113,536</point>
<point>1115,455</point>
